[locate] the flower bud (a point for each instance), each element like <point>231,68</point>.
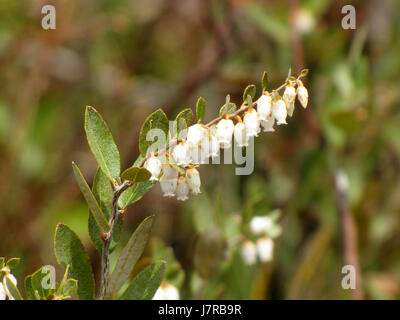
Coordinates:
<point>268,125</point>
<point>240,135</point>
<point>260,224</point>
<point>196,134</point>
<point>265,249</point>
<point>224,134</point>
<point>181,154</point>
<point>193,179</point>
<point>153,164</point>
<point>182,189</point>
<point>252,123</point>
<point>279,111</point>
<point>302,95</point>
<point>169,171</point>
<point>264,105</point>
<point>168,186</point>
<point>249,252</point>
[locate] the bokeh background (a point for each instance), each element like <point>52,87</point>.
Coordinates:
<point>128,58</point>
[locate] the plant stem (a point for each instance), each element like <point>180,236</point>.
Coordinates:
<point>105,254</point>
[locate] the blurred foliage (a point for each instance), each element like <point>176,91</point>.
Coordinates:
<point>128,58</point>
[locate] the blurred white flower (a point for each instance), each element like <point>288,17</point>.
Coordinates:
<point>260,224</point>
<point>305,21</point>
<point>166,292</point>
<point>169,171</point>
<point>249,252</point>
<point>180,154</point>
<point>153,164</point>
<point>265,249</point>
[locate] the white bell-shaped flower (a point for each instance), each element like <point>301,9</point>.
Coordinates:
<point>252,123</point>
<point>180,154</point>
<point>268,125</point>
<point>3,294</point>
<point>211,146</point>
<point>249,252</point>
<point>224,134</point>
<point>166,292</point>
<point>290,94</point>
<point>182,189</point>
<point>153,164</point>
<point>265,249</point>
<point>264,106</point>
<point>240,135</point>
<point>198,154</point>
<point>196,134</point>
<point>168,186</point>
<point>302,95</point>
<point>193,179</point>
<point>279,111</point>
<point>169,171</point>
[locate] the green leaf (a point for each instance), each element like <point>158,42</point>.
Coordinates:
<point>91,200</point>
<point>228,107</point>
<point>70,287</point>
<point>69,251</point>
<point>12,288</point>
<point>200,109</point>
<point>60,288</point>
<point>173,272</point>
<point>103,192</point>
<point>13,263</point>
<point>29,291</point>
<point>146,283</point>
<point>157,120</point>
<point>304,73</point>
<point>129,256</point>
<point>1,262</point>
<point>249,91</point>
<point>136,174</point>
<point>102,143</point>
<point>184,120</point>
<point>37,286</point>
<point>264,81</point>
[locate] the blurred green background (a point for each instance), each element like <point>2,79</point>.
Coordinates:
<point>127,58</point>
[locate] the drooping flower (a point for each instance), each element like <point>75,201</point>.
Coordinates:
<point>168,186</point>
<point>249,252</point>
<point>211,145</point>
<point>240,135</point>
<point>169,171</point>
<point>289,97</point>
<point>153,164</point>
<point>182,189</point>
<point>166,292</point>
<point>196,134</point>
<point>193,179</point>
<point>268,125</point>
<point>264,105</point>
<point>224,134</point>
<point>265,249</point>
<point>2,292</point>
<point>180,154</point>
<point>252,123</point>
<point>279,111</point>
<point>302,95</point>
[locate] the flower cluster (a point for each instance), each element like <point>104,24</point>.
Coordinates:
<point>4,291</point>
<point>265,229</point>
<point>179,176</point>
